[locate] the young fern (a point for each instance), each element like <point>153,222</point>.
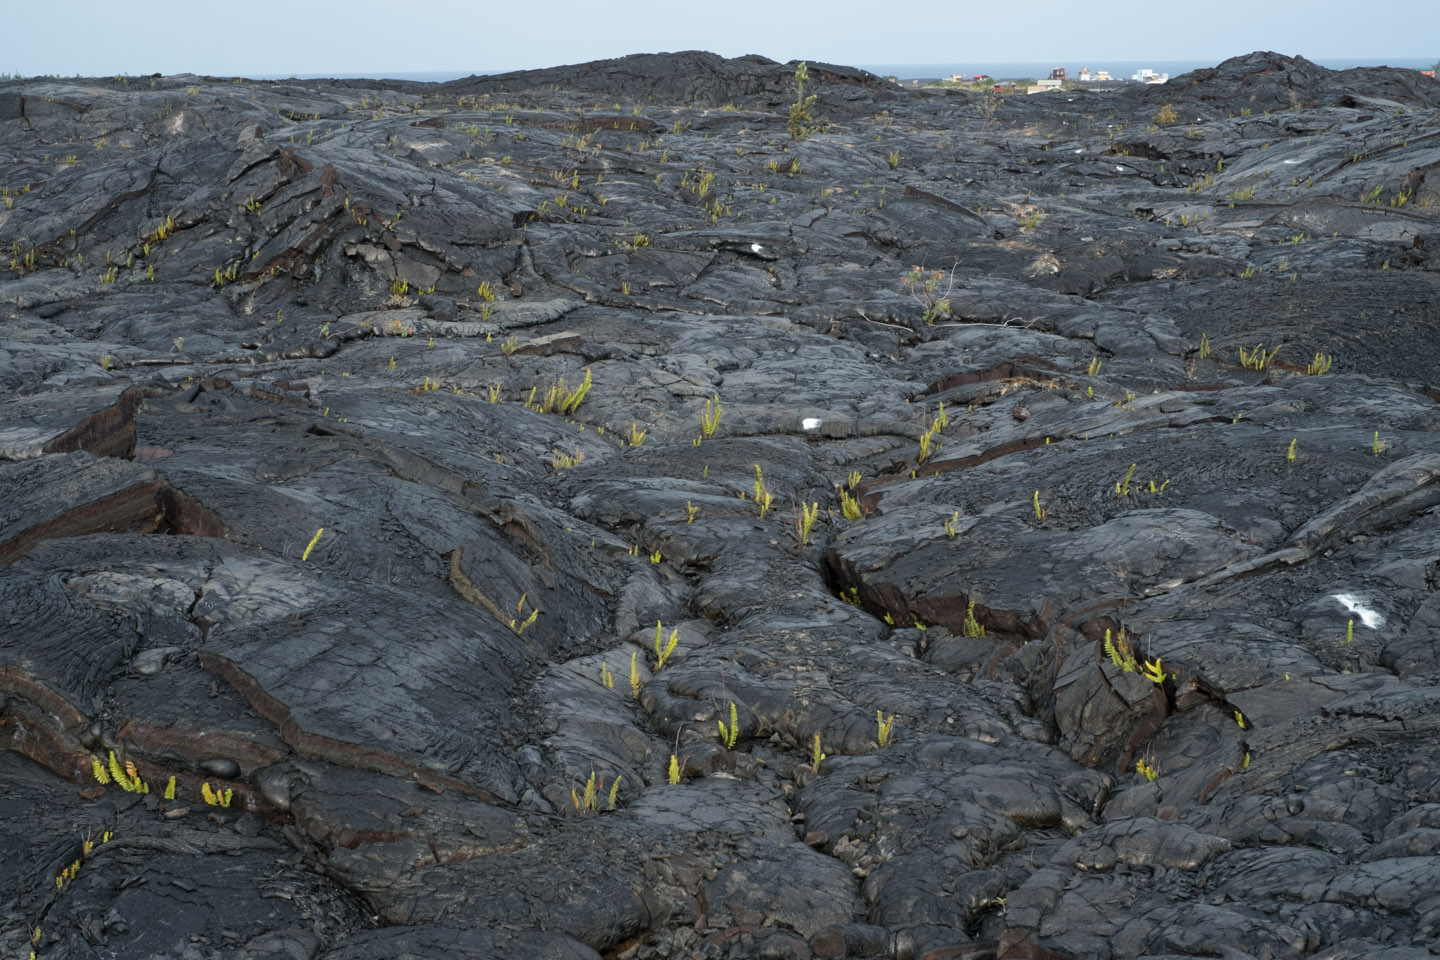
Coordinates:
<point>730,734</point>
<point>804,521</point>
<point>973,628</point>
<point>664,648</point>
<point>884,729</point>
<point>615,791</point>
<point>763,497</point>
<point>635,682</point>
<point>710,419</point>
<point>588,801</point>
<point>1118,650</point>
<point>1153,671</point>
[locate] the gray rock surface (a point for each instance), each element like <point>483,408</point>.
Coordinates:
<point>416,474</point>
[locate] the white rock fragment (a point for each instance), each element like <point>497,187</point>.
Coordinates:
<point>811,423</point>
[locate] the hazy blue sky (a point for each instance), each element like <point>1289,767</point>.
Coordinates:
<point>376,38</point>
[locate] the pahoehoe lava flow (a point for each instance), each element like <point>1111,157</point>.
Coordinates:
<point>604,512</point>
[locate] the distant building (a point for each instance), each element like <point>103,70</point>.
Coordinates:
<point>1045,86</point>
<point>1102,76</point>
<point>1428,73</point>
<point>1085,75</point>
<point>1146,75</point>
<point>1058,73</point>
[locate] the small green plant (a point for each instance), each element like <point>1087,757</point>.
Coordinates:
<point>1040,512</point>
<point>559,398</point>
<point>924,287</point>
<point>894,159</point>
<point>565,461</point>
<point>1153,671</point>
<point>637,436</point>
<point>1095,364</point>
<point>655,556</point>
<point>1166,115</point>
<point>1122,487</point>
<point>927,441</point>
<point>884,729</point>
<point>853,481</point>
<point>588,802</point>
<point>801,123</point>
<point>804,521</point>
<point>1257,359</point>
<point>710,418</point>
<point>510,344</point>
<point>763,497</point>
<point>1321,364</point>
<point>1290,450</point>
<point>950,524</point>
<point>664,647</point>
<point>816,754</point>
<point>1377,446</point>
<point>126,776</point>
<point>730,734</point>
<point>519,626</point>
<point>311,545</point>
<point>635,682</point>
<point>1118,650</point>
<point>849,506</point>
<point>673,776</point>
<point>691,512</point>
<point>216,798</point>
<point>1146,770</point>
<point>973,628</point>
<point>607,679</point>
<point>1350,631</point>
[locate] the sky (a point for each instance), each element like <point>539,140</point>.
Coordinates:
<point>382,37</point>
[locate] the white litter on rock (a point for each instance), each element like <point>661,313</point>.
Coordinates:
<point>811,423</point>
<point>1367,616</point>
<point>756,248</point>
